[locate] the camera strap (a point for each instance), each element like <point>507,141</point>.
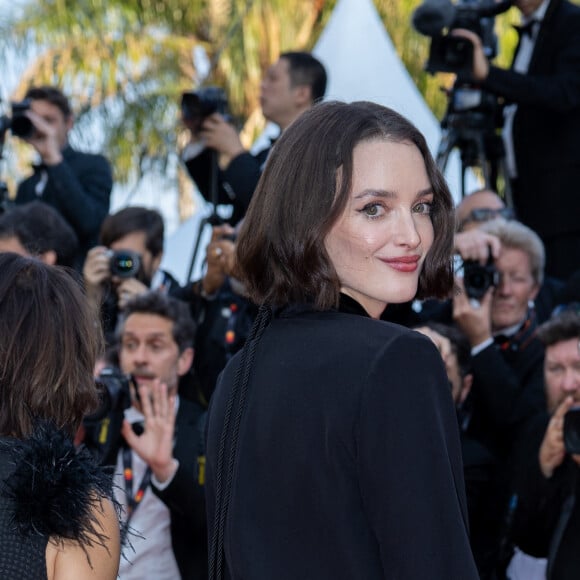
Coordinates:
<point>524,335</point>
<point>133,501</point>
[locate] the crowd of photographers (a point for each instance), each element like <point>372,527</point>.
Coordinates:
<point>509,335</point>
<point>152,325</point>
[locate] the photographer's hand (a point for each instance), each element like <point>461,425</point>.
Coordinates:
<point>474,321</point>
<point>219,254</point>
<point>44,139</point>
<point>476,245</point>
<point>128,289</point>
<point>95,273</point>
<point>155,444</point>
<point>220,135</point>
<point>552,450</point>
<point>480,63</point>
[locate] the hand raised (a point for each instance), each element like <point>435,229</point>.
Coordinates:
<point>552,450</point>
<point>155,444</point>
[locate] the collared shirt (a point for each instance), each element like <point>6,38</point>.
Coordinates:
<point>148,553</point>
<point>509,332</point>
<point>521,65</point>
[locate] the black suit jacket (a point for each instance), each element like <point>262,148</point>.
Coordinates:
<point>508,389</point>
<point>348,463</point>
<point>235,185</point>
<point>546,131</point>
<point>185,495</point>
<point>79,188</point>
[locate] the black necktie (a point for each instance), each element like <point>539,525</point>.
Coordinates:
<point>527,29</point>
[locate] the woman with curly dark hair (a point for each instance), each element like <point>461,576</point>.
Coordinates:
<point>57,519</point>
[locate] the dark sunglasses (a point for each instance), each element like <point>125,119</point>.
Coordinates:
<point>485,214</point>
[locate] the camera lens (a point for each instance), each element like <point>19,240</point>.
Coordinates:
<point>124,264</point>
<point>478,279</point>
<point>21,126</point>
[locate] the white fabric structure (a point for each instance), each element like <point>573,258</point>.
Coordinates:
<point>362,64</point>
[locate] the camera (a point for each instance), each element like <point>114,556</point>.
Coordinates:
<point>102,428</point>
<point>478,279</point>
<point>124,263</point>
<point>438,18</point>
<point>572,430</point>
<point>19,124</point>
<point>114,394</point>
<point>197,105</point>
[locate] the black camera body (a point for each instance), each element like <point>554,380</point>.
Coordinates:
<point>103,426</point>
<point>124,263</point>
<point>572,430</point>
<point>198,105</point>
<point>438,18</point>
<point>478,279</point>
<point>19,124</point>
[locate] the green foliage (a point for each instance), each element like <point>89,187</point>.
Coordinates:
<point>126,62</point>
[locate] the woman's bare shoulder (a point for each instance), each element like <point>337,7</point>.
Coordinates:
<point>96,558</point>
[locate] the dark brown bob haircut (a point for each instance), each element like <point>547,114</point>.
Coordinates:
<point>304,190</point>
<point>48,347</point>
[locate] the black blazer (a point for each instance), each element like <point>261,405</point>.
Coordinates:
<point>79,188</point>
<point>546,129</point>
<point>185,495</point>
<point>348,464</point>
<point>235,185</point>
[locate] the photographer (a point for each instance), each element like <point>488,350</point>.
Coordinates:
<point>500,323</point>
<point>159,451</point>
<point>78,185</point>
<point>293,84</point>
<point>495,310</point>
<point>472,243</point>
<point>478,462</point>
<point>547,518</point>
<point>222,310</point>
<point>542,124</point>
<point>126,264</point>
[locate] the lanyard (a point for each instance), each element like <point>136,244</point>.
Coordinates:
<point>133,501</point>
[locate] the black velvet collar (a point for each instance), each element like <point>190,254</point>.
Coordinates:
<point>351,306</point>
<point>346,304</point>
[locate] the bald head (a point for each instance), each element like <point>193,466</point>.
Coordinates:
<point>485,199</point>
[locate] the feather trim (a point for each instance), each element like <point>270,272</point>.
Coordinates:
<point>55,487</point>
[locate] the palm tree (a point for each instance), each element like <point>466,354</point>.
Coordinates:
<point>125,63</point>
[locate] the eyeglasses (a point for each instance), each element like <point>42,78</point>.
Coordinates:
<point>485,214</point>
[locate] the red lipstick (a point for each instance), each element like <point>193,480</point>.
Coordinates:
<point>403,263</point>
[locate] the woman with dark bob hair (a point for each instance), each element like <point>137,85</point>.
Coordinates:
<point>57,519</point>
<point>333,447</point>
